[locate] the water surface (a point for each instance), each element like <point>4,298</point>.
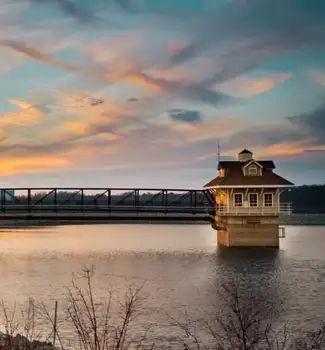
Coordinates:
<point>180,267</point>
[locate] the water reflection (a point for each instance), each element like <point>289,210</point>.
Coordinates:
<point>180,267</point>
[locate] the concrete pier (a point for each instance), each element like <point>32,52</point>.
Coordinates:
<point>241,231</point>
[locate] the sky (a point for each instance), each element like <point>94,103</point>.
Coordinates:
<point>138,93</point>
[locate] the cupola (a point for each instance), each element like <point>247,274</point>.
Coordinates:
<point>245,155</point>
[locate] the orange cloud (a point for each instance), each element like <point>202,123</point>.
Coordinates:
<point>88,115</point>
<point>143,81</point>
<point>28,162</point>
<point>246,86</point>
<point>26,115</point>
<point>130,71</point>
<point>31,164</point>
<point>179,74</point>
<point>289,148</point>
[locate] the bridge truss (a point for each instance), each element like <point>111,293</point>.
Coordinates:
<point>104,202</point>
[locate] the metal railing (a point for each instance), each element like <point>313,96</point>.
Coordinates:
<point>282,209</point>
<point>104,200</point>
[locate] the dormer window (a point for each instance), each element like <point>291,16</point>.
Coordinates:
<point>252,170</point>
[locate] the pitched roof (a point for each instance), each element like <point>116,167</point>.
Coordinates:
<point>235,177</point>
<point>267,164</point>
<point>245,151</point>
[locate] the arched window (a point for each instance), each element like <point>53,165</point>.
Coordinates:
<point>252,170</point>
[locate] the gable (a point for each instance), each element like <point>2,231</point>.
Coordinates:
<point>251,162</point>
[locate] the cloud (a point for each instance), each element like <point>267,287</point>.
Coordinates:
<point>107,135</point>
<point>318,77</point>
<point>38,55</point>
<point>187,52</point>
<point>296,135</point>
<point>194,92</point>
<point>132,75</point>
<point>9,60</point>
<point>186,116</point>
<point>132,72</point>
<point>249,19</point>
<point>251,53</point>
<point>82,118</point>
<point>160,57</point>
<point>296,148</point>
<point>24,165</point>
<point>254,37</point>
<point>62,123</point>
<point>28,114</point>
<point>243,86</point>
<point>312,123</point>
<point>77,133</point>
<point>125,4</point>
<point>72,9</point>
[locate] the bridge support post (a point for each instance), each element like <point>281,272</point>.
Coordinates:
<point>82,200</point>
<point>109,199</point>
<point>29,200</point>
<point>165,200</point>
<point>136,197</point>
<point>55,201</point>
<point>3,196</point>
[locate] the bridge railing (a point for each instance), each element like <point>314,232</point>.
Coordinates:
<point>104,199</point>
<point>282,209</point>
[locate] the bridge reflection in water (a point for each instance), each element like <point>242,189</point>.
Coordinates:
<point>106,204</point>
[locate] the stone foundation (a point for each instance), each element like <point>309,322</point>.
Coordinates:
<point>243,231</point>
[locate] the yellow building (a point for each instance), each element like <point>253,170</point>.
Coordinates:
<point>247,194</point>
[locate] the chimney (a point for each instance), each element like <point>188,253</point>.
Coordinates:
<point>245,155</point>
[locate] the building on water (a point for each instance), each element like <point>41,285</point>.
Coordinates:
<point>247,194</point>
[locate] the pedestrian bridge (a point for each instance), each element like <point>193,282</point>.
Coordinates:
<point>106,204</point>
<point>121,204</point>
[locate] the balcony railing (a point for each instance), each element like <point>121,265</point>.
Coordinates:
<point>282,209</point>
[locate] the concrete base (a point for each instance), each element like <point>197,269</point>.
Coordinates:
<point>243,231</point>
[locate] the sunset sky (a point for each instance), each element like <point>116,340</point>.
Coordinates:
<point>138,92</point>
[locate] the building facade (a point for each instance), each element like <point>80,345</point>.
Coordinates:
<point>247,194</point>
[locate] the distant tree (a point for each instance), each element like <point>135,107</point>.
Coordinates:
<point>306,199</point>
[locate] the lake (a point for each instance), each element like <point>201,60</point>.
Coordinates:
<point>180,268</point>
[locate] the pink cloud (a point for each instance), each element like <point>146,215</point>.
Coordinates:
<point>243,86</point>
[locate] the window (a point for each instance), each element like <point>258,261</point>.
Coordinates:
<point>253,200</point>
<point>268,199</point>
<point>238,199</point>
<point>252,170</point>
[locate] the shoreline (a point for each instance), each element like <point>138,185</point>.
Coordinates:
<point>312,219</point>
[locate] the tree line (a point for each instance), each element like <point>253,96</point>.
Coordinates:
<point>306,199</point>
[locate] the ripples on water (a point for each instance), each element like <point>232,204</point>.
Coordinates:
<point>180,267</point>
